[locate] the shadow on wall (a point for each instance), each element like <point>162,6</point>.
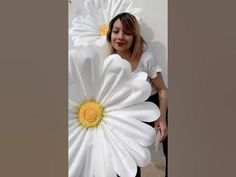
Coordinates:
<point>158,49</point>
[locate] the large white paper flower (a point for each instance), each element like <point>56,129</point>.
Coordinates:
<point>106,110</point>
<point>92,26</point>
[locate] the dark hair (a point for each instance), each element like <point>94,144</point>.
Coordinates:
<point>131,24</point>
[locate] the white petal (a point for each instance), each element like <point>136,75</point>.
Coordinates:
<point>71,116</point>
<point>122,161</point>
<point>116,72</point>
<point>84,65</point>
<point>116,7</point>
<point>101,41</point>
<point>72,123</point>
<point>96,3</point>
<point>141,154</point>
<point>89,167</point>
<point>77,153</point>
<point>88,41</point>
<point>84,25</point>
<point>131,93</point>
<point>76,90</point>
<point>74,134</point>
<point>140,75</point>
<point>135,129</point>
<point>102,157</point>
<point>72,106</point>
<point>72,126</point>
<point>136,12</point>
<point>147,112</point>
<point>94,7</point>
<point>84,30</point>
<point>73,151</point>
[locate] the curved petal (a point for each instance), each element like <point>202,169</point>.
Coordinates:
<point>84,72</point>
<point>122,161</point>
<point>89,167</point>
<point>83,25</point>
<point>115,73</point>
<point>133,92</point>
<point>72,126</point>
<point>71,116</point>
<point>116,7</point>
<point>84,30</point>
<point>140,75</point>
<point>75,142</point>
<point>141,154</point>
<point>74,133</point>
<point>72,105</point>
<point>73,123</point>
<point>101,41</point>
<point>78,152</point>
<point>147,112</point>
<point>95,3</point>
<point>142,133</point>
<point>102,157</point>
<point>94,6</point>
<point>76,92</point>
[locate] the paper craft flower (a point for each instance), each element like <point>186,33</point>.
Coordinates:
<point>106,110</point>
<point>92,28</point>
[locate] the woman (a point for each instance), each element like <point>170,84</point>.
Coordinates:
<point>125,40</point>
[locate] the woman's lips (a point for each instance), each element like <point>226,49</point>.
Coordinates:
<point>120,43</point>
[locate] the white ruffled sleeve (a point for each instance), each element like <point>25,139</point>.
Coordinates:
<point>152,67</point>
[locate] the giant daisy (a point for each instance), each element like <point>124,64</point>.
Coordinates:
<point>92,26</point>
<point>106,109</point>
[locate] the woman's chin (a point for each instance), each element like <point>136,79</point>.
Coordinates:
<point>120,48</point>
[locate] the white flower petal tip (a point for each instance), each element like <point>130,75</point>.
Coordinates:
<point>115,64</point>
<point>105,116</point>
<point>83,54</point>
<point>84,73</point>
<point>140,75</point>
<point>89,27</point>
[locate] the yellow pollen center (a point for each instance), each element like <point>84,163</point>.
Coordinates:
<point>104,30</point>
<point>90,114</point>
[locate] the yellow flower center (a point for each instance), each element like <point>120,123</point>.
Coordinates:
<point>104,29</point>
<point>90,114</point>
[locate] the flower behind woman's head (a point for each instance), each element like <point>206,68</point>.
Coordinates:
<point>92,26</point>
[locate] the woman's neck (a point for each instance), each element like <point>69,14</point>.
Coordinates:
<point>125,55</point>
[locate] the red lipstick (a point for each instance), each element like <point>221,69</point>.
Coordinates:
<point>120,43</point>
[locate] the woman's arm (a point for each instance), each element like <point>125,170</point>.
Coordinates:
<point>160,124</point>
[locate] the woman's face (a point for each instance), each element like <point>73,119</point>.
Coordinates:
<point>121,38</point>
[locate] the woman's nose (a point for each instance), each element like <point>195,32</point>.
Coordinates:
<point>120,35</point>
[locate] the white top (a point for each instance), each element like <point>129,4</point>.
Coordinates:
<point>149,65</point>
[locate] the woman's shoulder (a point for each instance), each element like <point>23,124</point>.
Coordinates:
<point>147,57</point>
<point>150,65</point>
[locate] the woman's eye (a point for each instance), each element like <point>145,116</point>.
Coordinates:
<point>128,33</point>
<point>115,31</point>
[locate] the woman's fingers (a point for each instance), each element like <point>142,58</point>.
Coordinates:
<point>161,126</point>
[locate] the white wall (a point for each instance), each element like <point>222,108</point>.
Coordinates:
<point>153,27</point>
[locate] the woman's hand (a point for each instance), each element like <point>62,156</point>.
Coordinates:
<point>160,125</point>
